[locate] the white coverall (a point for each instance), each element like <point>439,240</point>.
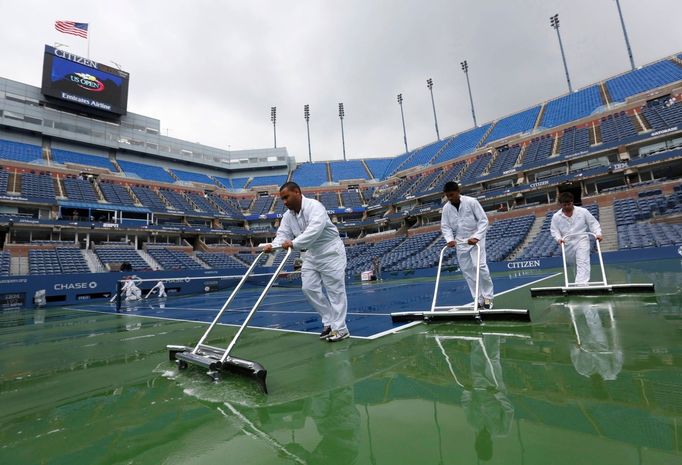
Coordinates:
<point>158,287</point>
<point>323,263</point>
<point>132,292</point>
<point>577,248</point>
<point>470,221</point>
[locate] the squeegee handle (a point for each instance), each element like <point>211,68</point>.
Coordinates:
<point>229,300</point>
<point>601,259</point>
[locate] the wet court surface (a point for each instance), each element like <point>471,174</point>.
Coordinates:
<point>588,381</point>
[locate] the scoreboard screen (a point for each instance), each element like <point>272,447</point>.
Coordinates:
<point>83,83</point>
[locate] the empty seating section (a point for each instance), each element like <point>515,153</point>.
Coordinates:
<point>238,183</point>
<point>398,192</point>
<point>544,245</point>
<point>80,189</point>
<point>351,199</point>
<point>278,206</point>
<point>329,199</point>
<point>227,205</point>
<point>574,140</point>
<point>5,261</point>
<point>310,174</point>
<point>403,256</point>
<point>148,172</point>
<point>423,183</point>
<point>644,79</point>
<point>38,186</point>
<point>202,203</point>
<point>262,205</point>
<point>505,160</point>
<point>19,151</point>
<point>514,124</point>
<point>149,198</point>
<point>454,172</point>
<point>177,200</point>
<point>462,144</point>
<point>360,256</point>
<point>191,177</point>
<point>117,254</point>
<point>395,164</point>
<point>663,114</point>
<point>476,167</point>
<point>504,236</point>
<point>4,178</point>
<point>351,169</point>
<point>538,151</point>
<point>631,216</point>
<point>378,166</point>
<point>223,182</point>
<point>423,155</point>
<point>56,261</point>
<point>245,204</point>
<point>67,156</point>
<point>276,180</point>
<point>220,260</point>
<point>116,193</point>
<point>571,107</point>
<point>617,128</point>
<point>643,235</point>
<point>171,259</point>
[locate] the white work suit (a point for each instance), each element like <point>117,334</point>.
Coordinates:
<point>577,248</point>
<point>470,221</point>
<point>597,349</point>
<point>132,292</point>
<point>323,263</point>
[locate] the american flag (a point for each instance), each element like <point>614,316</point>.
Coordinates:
<point>71,27</point>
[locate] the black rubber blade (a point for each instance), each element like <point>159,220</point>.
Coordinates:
<point>247,368</point>
<point>642,288</point>
<point>400,317</point>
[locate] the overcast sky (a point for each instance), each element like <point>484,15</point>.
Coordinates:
<point>211,70</point>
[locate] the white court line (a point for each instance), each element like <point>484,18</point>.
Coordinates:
<point>201,322</point>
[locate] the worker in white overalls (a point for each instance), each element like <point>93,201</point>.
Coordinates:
<point>576,222</point>
<point>464,224</point>
<point>132,292</point>
<point>158,288</point>
<point>306,226</point>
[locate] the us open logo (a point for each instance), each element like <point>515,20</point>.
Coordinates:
<point>87,82</point>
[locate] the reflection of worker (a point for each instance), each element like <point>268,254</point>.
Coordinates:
<point>575,221</point>
<point>335,415</point>
<point>486,404</point>
<point>376,268</point>
<point>130,289</point>
<point>596,351</point>
<point>158,288</point>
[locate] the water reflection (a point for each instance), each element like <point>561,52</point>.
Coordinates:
<point>484,396</point>
<point>597,350</point>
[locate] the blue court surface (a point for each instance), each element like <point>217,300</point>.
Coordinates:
<point>369,305</point>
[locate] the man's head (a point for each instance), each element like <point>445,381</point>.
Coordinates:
<point>566,202</point>
<point>451,191</point>
<point>291,196</point>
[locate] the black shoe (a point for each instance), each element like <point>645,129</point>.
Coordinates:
<point>325,332</point>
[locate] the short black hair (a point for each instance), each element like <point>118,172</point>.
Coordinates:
<point>291,185</point>
<point>565,197</point>
<point>451,186</point>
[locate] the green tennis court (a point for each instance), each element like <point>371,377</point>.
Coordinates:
<point>593,380</point>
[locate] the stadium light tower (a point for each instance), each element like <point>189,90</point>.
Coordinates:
<point>306,115</point>
<point>402,116</point>
<point>342,113</point>
<point>465,68</point>
<point>429,84</point>
<point>554,22</point>
<point>273,118</point>
<point>625,34</point>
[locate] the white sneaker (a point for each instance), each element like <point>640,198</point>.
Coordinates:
<point>336,336</point>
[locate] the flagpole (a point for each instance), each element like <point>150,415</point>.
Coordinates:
<point>89,34</point>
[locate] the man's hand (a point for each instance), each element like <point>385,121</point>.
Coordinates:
<point>560,241</point>
<point>452,243</point>
<point>472,241</point>
<point>599,238</point>
<point>287,244</point>
<point>267,248</point>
